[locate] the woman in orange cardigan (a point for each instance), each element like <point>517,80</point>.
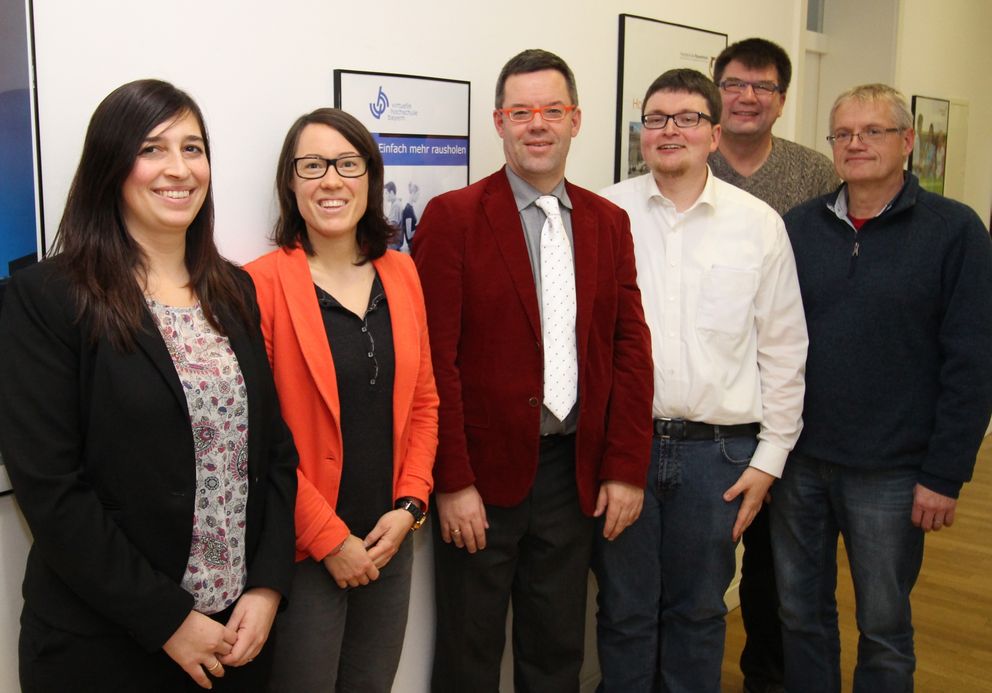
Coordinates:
<point>346,331</point>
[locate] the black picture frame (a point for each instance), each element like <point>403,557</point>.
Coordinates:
<point>646,48</point>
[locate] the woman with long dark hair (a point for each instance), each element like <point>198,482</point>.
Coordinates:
<point>346,328</point>
<point>140,427</point>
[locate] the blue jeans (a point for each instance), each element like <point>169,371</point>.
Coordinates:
<point>661,583</point>
<point>813,503</point>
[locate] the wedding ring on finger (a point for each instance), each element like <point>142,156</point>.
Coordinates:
<point>216,665</point>
<point>456,531</point>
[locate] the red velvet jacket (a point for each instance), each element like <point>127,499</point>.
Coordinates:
<point>485,331</point>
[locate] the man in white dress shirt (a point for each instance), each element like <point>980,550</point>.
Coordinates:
<point>728,335</point>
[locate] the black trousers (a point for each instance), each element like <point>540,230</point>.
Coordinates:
<point>55,661</point>
<point>537,555</point>
<point>761,659</point>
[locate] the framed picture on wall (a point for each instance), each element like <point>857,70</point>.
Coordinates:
<point>20,178</point>
<point>20,190</point>
<point>929,156</point>
<point>421,125</point>
<point>648,47</point>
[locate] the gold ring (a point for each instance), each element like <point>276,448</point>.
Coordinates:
<point>456,531</point>
<point>214,667</point>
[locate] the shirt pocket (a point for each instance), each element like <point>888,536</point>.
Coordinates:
<point>726,300</point>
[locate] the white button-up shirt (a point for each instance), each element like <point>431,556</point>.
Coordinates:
<point>720,293</point>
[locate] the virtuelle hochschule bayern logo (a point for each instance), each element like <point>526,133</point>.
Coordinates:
<point>396,111</point>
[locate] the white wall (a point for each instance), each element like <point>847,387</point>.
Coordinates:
<point>943,51</point>
<point>243,63</point>
<point>861,40</point>
<point>255,66</point>
<point>14,543</point>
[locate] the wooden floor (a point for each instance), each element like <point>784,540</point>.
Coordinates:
<point>952,602</point>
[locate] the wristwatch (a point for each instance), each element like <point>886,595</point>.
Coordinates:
<point>412,506</point>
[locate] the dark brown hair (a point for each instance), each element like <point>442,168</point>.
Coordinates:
<point>535,60</point>
<point>756,54</point>
<point>373,232</point>
<point>688,81</point>
<point>92,244</point>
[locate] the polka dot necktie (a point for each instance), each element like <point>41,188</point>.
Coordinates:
<point>561,369</point>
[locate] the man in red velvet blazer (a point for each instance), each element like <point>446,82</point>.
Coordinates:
<point>517,486</point>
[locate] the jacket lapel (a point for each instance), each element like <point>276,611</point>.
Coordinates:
<point>504,222</point>
<point>585,240</point>
<point>304,314</point>
<point>150,341</point>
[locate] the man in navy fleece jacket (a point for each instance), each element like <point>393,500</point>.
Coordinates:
<point>897,287</point>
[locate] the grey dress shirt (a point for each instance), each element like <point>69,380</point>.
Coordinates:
<point>532,220</point>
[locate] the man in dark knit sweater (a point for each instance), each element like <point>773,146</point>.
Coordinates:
<point>897,287</point>
<point>754,76</point>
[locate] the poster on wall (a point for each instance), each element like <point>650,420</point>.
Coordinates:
<point>421,125</point>
<point>930,118</point>
<point>648,47</point>
<point>20,196</point>
<point>20,218</point>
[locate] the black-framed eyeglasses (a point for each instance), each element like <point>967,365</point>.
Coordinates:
<point>688,119</point>
<point>520,114</point>
<point>313,166</point>
<point>867,136</point>
<point>739,86</point>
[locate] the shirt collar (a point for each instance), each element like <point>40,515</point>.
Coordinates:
<point>839,206</point>
<point>524,194</point>
<point>707,197</point>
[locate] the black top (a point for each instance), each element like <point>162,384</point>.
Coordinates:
<point>362,349</point>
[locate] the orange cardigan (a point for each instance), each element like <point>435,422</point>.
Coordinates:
<point>296,341</point>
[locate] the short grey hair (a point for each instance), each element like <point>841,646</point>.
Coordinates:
<point>870,93</point>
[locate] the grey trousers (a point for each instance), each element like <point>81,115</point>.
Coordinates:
<point>345,640</point>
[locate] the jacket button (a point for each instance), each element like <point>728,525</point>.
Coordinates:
<point>533,401</point>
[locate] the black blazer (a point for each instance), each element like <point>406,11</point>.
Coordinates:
<point>99,450</point>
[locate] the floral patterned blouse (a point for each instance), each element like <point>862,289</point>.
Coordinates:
<point>218,408</point>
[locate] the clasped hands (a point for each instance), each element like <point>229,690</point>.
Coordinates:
<point>201,645</point>
<point>358,562</point>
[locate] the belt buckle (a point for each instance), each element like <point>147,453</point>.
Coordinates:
<point>667,425</point>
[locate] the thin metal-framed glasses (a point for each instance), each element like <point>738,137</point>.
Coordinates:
<point>313,166</point>
<point>867,136</point>
<point>739,86</point>
<point>519,114</point>
<point>688,119</point>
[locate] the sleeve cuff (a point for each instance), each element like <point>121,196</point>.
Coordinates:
<point>769,459</point>
<point>945,487</point>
